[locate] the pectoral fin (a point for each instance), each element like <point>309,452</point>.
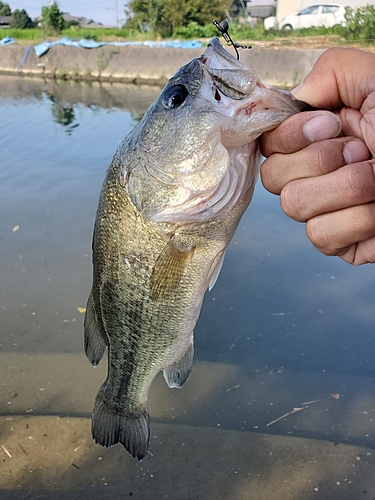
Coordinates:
<point>177,374</point>
<point>215,271</point>
<point>95,339</point>
<point>169,268</point>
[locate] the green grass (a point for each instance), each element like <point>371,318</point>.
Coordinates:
<point>237,32</point>
<point>34,34</point>
<point>102,34</point>
<point>193,30</point>
<point>318,31</point>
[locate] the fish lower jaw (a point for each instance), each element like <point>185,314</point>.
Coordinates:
<point>257,101</point>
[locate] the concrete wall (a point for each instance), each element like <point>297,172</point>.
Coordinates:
<point>282,67</point>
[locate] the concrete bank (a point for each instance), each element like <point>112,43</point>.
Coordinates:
<point>145,65</point>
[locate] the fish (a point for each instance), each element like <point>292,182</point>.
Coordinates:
<point>171,201</point>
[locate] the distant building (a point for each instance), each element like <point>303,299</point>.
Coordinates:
<point>5,21</point>
<point>83,22</point>
<point>260,8</point>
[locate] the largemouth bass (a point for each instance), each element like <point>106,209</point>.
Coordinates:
<point>171,201</point>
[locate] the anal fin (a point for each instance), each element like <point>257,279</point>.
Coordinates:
<point>177,374</point>
<point>95,339</point>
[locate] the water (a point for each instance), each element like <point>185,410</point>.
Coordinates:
<point>284,325</point>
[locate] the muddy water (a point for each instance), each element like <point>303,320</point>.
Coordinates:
<point>283,326</point>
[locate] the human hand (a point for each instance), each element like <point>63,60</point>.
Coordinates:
<point>317,160</point>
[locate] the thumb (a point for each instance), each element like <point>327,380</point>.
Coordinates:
<point>339,77</point>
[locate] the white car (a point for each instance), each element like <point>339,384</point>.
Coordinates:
<point>326,15</point>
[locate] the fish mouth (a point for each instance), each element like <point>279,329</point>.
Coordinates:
<point>238,90</point>
<point>229,75</point>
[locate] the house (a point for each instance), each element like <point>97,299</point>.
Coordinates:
<point>260,8</point>
<point>5,21</point>
<point>83,22</point>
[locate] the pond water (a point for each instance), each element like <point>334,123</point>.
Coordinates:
<point>283,326</point>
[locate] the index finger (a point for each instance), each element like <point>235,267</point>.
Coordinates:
<point>341,76</point>
<point>299,131</point>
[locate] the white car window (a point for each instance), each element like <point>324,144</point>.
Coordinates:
<point>327,9</point>
<point>314,9</point>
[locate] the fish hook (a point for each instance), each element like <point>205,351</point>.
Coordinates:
<point>223,28</point>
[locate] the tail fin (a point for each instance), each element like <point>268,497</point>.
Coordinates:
<point>110,427</point>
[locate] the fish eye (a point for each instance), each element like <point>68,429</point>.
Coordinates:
<point>175,96</point>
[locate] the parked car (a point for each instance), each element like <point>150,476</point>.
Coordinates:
<point>270,23</point>
<point>326,15</point>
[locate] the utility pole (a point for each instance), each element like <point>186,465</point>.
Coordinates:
<point>117,21</point>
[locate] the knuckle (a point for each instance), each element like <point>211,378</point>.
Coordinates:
<point>319,236</point>
<point>361,187</point>
<point>320,160</point>
<point>271,174</point>
<point>292,201</point>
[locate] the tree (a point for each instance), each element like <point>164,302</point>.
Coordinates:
<point>5,9</point>
<point>164,16</point>
<point>20,19</point>
<point>52,18</point>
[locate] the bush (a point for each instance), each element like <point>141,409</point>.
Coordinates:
<point>72,22</point>
<point>195,30</point>
<point>237,31</point>
<point>361,25</point>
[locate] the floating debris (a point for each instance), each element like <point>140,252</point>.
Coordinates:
<point>6,451</point>
<point>295,410</point>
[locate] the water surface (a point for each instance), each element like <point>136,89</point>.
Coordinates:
<point>283,325</point>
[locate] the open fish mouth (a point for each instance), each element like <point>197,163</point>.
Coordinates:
<point>239,90</point>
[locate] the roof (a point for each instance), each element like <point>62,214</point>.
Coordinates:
<point>82,21</point>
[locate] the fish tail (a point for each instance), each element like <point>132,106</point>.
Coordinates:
<point>110,427</point>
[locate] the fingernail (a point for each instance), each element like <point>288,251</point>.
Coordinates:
<point>322,126</point>
<point>355,151</point>
<point>296,89</point>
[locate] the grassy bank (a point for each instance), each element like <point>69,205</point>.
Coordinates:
<point>193,30</point>
<point>313,36</point>
<point>36,35</point>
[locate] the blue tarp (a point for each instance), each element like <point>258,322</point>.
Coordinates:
<point>42,48</point>
<point>7,40</point>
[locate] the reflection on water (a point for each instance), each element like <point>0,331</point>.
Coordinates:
<point>283,325</point>
<point>63,114</point>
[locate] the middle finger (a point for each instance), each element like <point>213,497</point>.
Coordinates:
<point>317,159</point>
<point>349,186</point>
